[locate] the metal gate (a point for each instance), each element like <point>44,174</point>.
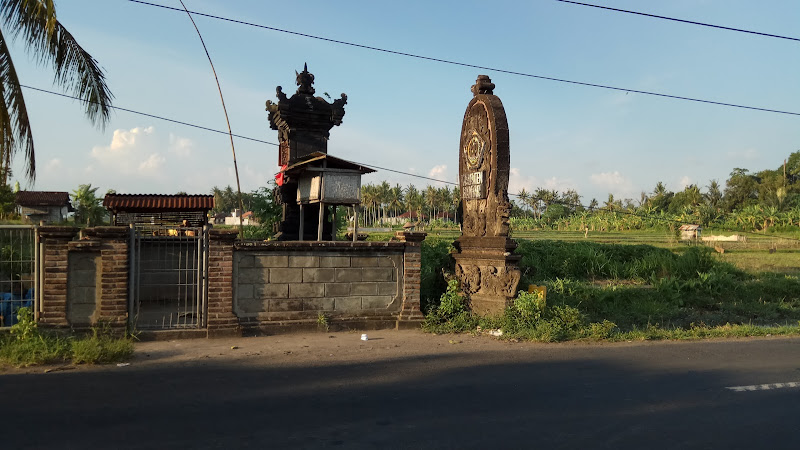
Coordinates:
<point>19,271</point>
<point>168,276</point>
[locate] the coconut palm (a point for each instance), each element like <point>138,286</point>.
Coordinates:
<point>35,23</point>
<point>394,199</point>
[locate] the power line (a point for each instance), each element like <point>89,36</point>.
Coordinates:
<point>153,116</point>
<point>740,30</point>
<point>474,66</point>
<point>563,203</point>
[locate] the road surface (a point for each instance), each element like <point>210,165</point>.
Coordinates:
<point>414,390</point>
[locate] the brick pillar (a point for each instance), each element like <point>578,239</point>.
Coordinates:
<point>221,320</point>
<point>410,314</point>
<point>114,271</point>
<point>54,276</point>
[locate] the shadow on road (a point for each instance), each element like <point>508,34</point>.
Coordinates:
<point>444,401</point>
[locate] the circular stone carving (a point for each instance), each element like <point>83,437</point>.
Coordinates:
<point>474,150</point>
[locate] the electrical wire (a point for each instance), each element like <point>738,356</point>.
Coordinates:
<point>474,66</point>
<point>692,22</point>
<point>571,205</point>
<point>153,116</point>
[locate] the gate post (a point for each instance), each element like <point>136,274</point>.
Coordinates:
<point>55,241</point>
<point>221,319</point>
<point>114,274</point>
<point>411,313</point>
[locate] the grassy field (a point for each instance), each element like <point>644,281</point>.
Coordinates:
<point>633,285</point>
<point>752,256</point>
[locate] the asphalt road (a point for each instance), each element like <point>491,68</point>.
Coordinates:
<point>470,395</point>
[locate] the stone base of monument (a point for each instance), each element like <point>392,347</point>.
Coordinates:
<point>488,273</point>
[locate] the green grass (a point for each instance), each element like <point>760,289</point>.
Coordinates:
<point>26,345</point>
<point>637,291</point>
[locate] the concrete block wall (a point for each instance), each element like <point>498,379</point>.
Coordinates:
<point>82,286</point>
<point>296,283</point>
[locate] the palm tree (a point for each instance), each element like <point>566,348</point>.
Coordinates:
<point>395,199</point>
<point>524,197</point>
<point>88,208</point>
<point>35,22</point>
<point>714,195</point>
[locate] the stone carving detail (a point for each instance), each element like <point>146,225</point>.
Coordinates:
<point>488,280</point>
<point>486,266</point>
<point>470,278</point>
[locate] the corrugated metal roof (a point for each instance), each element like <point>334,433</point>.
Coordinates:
<point>42,198</point>
<point>157,202</point>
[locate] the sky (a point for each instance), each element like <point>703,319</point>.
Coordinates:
<point>405,113</point>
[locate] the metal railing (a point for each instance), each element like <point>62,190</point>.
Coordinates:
<point>19,271</point>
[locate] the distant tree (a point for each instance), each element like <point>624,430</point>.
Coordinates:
<point>7,201</point>
<point>741,190</point>
<point>713,196</point>
<point>88,208</point>
<point>265,207</point>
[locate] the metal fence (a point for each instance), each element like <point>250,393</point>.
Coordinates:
<point>168,277</point>
<point>19,270</point>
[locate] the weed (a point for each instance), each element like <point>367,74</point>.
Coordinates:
<point>322,321</point>
<point>27,345</point>
<point>102,347</point>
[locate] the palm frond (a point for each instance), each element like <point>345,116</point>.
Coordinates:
<point>77,70</point>
<point>32,20</point>
<point>51,43</point>
<point>15,126</point>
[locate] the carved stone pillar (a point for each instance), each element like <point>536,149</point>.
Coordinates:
<point>485,264</point>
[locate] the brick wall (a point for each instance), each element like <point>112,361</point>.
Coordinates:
<point>221,320</point>
<point>54,275</point>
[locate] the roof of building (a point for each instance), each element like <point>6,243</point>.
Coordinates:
<point>42,198</point>
<point>157,202</point>
<point>331,162</point>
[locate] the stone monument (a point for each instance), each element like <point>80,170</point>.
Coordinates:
<point>303,123</point>
<point>486,266</point>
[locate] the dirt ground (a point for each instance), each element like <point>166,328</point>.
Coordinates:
<point>297,349</point>
<point>326,348</point>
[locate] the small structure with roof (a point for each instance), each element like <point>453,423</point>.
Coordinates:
<point>43,206</point>
<point>690,232</point>
<point>158,210</point>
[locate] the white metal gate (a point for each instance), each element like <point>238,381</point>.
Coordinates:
<point>168,273</point>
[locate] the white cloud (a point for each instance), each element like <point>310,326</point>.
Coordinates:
<point>439,172</point>
<point>517,182</point>
<point>153,162</point>
<point>613,182</point>
<point>685,181</point>
<point>128,149</point>
<point>54,165</point>
<point>180,146</point>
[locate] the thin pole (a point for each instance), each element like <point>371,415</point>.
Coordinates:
<point>227,120</point>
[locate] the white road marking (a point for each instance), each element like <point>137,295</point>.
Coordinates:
<point>764,387</point>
